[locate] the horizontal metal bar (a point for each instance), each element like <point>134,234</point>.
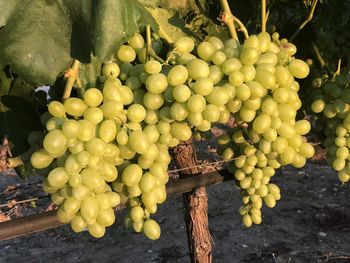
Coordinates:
<point>47,220</point>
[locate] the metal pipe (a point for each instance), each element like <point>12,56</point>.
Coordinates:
<point>47,220</point>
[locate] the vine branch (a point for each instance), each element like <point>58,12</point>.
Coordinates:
<point>307,20</point>
<point>228,19</point>
<point>263,16</point>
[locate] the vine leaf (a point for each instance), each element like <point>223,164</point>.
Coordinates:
<point>18,117</point>
<point>5,81</point>
<point>89,73</point>
<point>115,22</point>
<point>36,40</point>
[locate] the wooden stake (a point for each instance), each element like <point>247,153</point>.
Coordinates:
<point>196,207</point>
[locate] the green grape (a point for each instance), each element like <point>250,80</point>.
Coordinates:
<point>95,146</point>
<point>215,74</point>
<point>55,142</point>
<point>111,109</point>
<point>231,65</point>
<point>218,96</point>
<point>107,131</point>
<point>156,83</point>
<point>177,75</point>
<point>96,230</point>
<point>181,93</point>
<point>151,229</point>
<point>249,56</point>
<point>205,50</point>
<point>132,175</point>
<point>126,53</point>
<point>87,130</point>
<point>184,45</point>
<point>57,177</point>
<point>181,131</point>
<point>41,159</point>
<point>268,58</point>
<point>106,217</point>
<point>57,109</point>
<point>110,70</point>
<point>203,86</point>
<point>218,57</point>
<point>249,72</point>
<point>75,107</point>
<point>111,90</point>
<point>197,69</point>
<point>93,97</point>
<point>94,115</point>
<point>265,78</point>
<point>298,68</point>
<point>243,92</point>
<point>136,42</point>
<point>153,67</point>
<point>136,113</point>
<point>153,101</point>
<point>138,142</point>
<point>179,111</point>
<point>196,103</point>
<point>211,113</point>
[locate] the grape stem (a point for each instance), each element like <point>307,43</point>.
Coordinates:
<point>228,19</point>
<point>148,42</point>
<point>72,75</point>
<point>263,16</point>
<point>307,20</point>
<point>241,27</point>
<point>23,158</point>
<point>318,55</point>
<point>338,69</point>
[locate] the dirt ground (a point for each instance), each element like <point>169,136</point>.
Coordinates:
<point>310,223</point>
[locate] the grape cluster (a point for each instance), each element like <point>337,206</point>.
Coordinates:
<point>111,146</point>
<point>264,104</point>
<point>331,107</point>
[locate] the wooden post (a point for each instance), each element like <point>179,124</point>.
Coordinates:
<point>196,207</point>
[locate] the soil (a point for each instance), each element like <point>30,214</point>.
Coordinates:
<point>311,223</point>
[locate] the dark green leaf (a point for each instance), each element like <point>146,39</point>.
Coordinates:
<point>5,81</point>
<point>115,22</point>
<point>18,118</point>
<point>36,40</point>
<point>21,88</point>
<point>88,73</point>
<point>7,8</point>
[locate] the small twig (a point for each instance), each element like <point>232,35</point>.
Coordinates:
<point>263,16</point>
<point>307,20</point>
<point>228,19</point>
<point>14,202</point>
<point>72,75</point>
<point>318,55</point>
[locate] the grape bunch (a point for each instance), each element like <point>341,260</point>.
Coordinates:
<point>264,104</point>
<point>111,146</point>
<point>330,104</point>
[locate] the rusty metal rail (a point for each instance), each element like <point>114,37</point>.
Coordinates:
<point>44,221</point>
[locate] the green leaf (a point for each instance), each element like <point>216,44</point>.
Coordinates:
<point>21,88</point>
<point>7,8</point>
<point>115,22</point>
<point>89,73</point>
<point>5,81</point>
<point>18,118</point>
<point>36,40</point>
